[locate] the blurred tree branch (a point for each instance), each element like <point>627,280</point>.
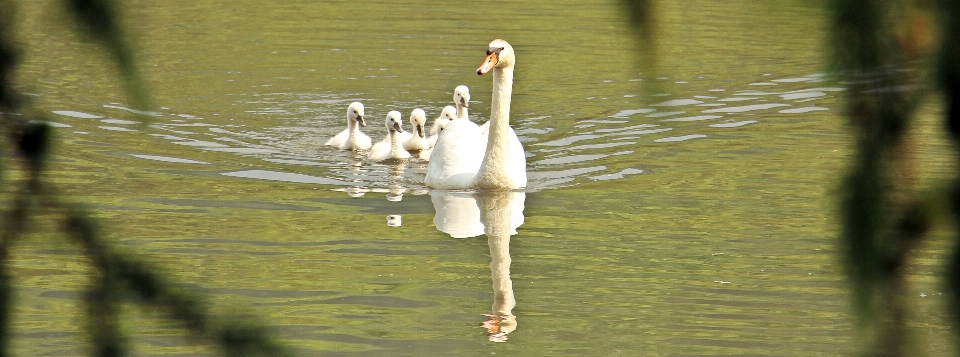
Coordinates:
<point>642,17</point>
<point>118,278</point>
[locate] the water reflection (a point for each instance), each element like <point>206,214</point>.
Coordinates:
<point>394,220</point>
<point>496,214</point>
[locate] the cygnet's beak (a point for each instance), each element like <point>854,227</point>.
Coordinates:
<point>488,63</point>
<point>360,120</point>
<point>420,130</point>
<point>463,101</point>
<point>396,126</point>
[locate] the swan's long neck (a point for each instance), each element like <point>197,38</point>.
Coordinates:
<point>493,172</point>
<point>462,111</point>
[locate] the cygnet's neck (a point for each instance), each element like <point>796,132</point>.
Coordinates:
<point>493,172</point>
<point>415,134</point>
<point>395,143</point>
<point>353,126</point>
<point>462,111</point>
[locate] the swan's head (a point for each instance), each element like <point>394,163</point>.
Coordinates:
<point>393,121</point>
<point>499,54</point>
<point>418,118</point>
<point>461,95</point>
<point>355,113</point>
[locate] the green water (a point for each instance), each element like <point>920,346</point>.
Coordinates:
<point>695,219</point>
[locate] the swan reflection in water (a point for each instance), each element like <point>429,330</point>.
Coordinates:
<point>496,214</point>
<point>394,189</point>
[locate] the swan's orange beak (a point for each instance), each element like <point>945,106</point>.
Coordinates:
<point>488,64</point>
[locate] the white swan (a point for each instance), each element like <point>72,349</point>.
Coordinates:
<point>465,159</point>
<point>352,138</point>
<point>416,140</point>
<point>390,148</point>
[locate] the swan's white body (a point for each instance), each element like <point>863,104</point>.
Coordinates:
<point>351,138</point>
<point>463,158</point>
<point>390,148</point>
<point>416,140</point>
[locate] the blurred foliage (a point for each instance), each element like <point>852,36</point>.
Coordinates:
<point>98,18</point>
<point>883,50</point>
<point>118,277</point>
<point>642,17</point>
<point>949,79</point>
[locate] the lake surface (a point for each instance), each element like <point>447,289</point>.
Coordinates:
<point>686,212</point>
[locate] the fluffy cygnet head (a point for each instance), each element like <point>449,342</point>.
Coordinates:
<point>418,118</point>
<point>499,54</point>
<point>355,114</point>
<point>448,113</point>
<point>393,121</point>
<point>461,95</point>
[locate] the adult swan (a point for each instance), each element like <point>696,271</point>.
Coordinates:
<point>457,163</point>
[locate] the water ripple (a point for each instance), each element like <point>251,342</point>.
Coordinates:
<point>570,146</point>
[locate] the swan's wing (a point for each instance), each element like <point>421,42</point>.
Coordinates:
<point>457,156</point>
<point>401,153</point>
<point>379,151</point>
<point>339,139</point>
<point>415,143</point>
<point>485,129</point>
<point>363,141</point>
<point>517,164</point>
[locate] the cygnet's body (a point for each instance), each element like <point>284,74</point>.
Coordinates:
<point>391,147</point>
<point>351,138</point>
<point>446,115</point>
<point>461,99</point>
<point>449,113</point>
<point>416,140</point>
